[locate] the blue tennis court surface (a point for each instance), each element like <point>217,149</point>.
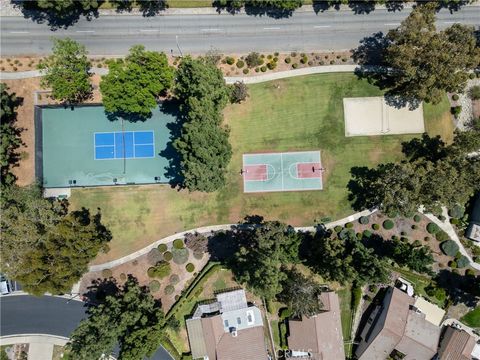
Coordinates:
<point>124,145</point>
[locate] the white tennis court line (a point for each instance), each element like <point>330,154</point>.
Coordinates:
<point>115,144</point>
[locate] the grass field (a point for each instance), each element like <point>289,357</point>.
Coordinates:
<point>301,113</point>
<point>345,296</point>
<point>472,319</point>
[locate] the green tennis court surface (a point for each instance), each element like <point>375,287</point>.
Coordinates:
<point>291,171</point>
<point>82,147</point>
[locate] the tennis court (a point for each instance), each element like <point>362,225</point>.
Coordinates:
<point>82,147</point>
<point>289,171</point>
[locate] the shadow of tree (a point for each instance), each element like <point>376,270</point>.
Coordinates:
<point>173,171</point>
<point>151,8</point>
<point>461,289</point>
<point>360,187</point>
<point>426,147</point>
<point>371,49</point>
<point>362,7</point>
<point>273,12</point>
<point>54,19</point>
<point>99,289</point>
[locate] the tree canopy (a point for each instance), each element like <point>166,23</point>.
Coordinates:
<point>263,249</point>
<point>433,175</point>
<point>10,139</point>
<point>300,293</point>
<point>44,247</point>
<point>203,144</point>
<point>130,317</point>
<point>426,63</point>
<point>67,71</point>
<point>133,85</point>
<point>343,258</point>
<point>60,6</point>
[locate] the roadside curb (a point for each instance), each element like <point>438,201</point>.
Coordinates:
<point>33,338</point>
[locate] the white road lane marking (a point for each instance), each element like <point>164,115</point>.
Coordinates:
<point>149,30</point>
<point>210,29</point>
<point>85,31</point>
<point>271,28</point>
<point>450,22</point>
<point>392,24</point>
<point>19,32</point>
<point>321,26</point>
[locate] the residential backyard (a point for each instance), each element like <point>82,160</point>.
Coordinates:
<point>302,113</point>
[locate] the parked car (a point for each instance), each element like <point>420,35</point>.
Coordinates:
<point>5,287</point>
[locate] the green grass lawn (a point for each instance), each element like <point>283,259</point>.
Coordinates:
<point>345,296</point>
<point>301,113</point>
<point>472,318</point>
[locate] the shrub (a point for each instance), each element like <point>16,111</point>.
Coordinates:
<point>190,267</point>
<point>272,65</point>
<point>161,270</point>
<point>454,221</point>
<point>322,62</point>
<point>388,224</point>
<point>432,228</point>
<point>169,289</point>
<point>294,66</point>
<point>442,218</point>
<point>178,244</point>
<point>455,97</point>
<point>471,76</point>
<point>449,247</point>
<point>462,262</point>
<point>253,59</point>
<point>344,59</point>
<point>154,256</point>
<point>304,60</point>
<point>456,110</point>
<point>414,227</point>
<point>475,92</point>
<point>457,211</point>
<point>196,241</point>
<point>452,264</point>
<point>367,233</point>
<point>154,286</point>
<point>288,60</point>
<point>338,228</point>
<point>162,248</point>
<point>167,256</point>
<point>285,313</point>
<point>123,277</point>
<point>403,233</point>
<point>427,238</point>
<point>275,59</point>
<point>349,225</point>
<point>245,71</point>
<point>107,273</point>
<point>363,220</point>
<point>198,255</point>
<point>263,68</point>
<point>135,262</point>
<point>417,218</point>
<point>240,64</point>
<point>257,69</point>
<point>276,53</point>
<point>375,227</point>
<point>332,62</point>
<point>180,256</point>
<point>293,54</point>
<point>269,56</point>
<point>469,272</point>
<point>230,60</point>
<point>359,236</point>
<point>174,279</point>
<point>441,236</point>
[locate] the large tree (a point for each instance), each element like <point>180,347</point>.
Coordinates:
<point>203,143</point>
<point>45,247</point>
<point>432,176</point>
<point>10,139</point>
<point>344,258</point>
<point>300,293</point>
<point>426,63</point>
<point>130,317</point>
<point>62,6</point>
<point>67,71</point>
<point>133,85</point>
<point>263,249</point>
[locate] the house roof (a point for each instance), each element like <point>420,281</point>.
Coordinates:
<point>432,312</point>
<point>321,335</point>
<point>248,344</point>
<point>456,345</point>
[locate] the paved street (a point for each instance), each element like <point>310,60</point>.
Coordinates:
<point>24,314</point>
<point>304,31</point>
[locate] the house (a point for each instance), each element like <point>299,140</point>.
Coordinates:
<point>318,337</point>
<point>473,230</point>
<point>227,329</point>
<point>398,329</point>
<point>456,344</point>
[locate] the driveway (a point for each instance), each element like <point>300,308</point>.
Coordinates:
<point>25,314</point>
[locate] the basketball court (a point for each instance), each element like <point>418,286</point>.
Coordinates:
<point>367,116</point>
<point>290,171</point>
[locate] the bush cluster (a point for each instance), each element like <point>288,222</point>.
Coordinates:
<point>432,228</point>
<point>375,227</point>
<point>230,60</point>
<point>169,289</point>
<point>161,270</point>
<point>288,60</point>
<point>190,267</point>
<point>162,248</point>
<point>178,244</point>
<point>462,262</point>
<point>154,286</point>
<point>417,218</point>
<point>364,220</point>
<point>441,236</point>
<point>449,247</point>
<point>388,224</point>
<point>240,64</point>
<point>167,256</point>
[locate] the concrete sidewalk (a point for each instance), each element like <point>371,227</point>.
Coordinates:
<point>40,345</point>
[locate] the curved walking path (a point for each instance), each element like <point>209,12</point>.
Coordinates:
<point>448,228</point>
<point>208,230</point>
<point>228,79</point>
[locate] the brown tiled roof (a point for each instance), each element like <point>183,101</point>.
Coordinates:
<point>248,344</point>
<point>456,345</point>
<point>321,335</point>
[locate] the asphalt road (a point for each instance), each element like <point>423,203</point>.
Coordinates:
<point>241,33</point>
<point>24,314</point>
